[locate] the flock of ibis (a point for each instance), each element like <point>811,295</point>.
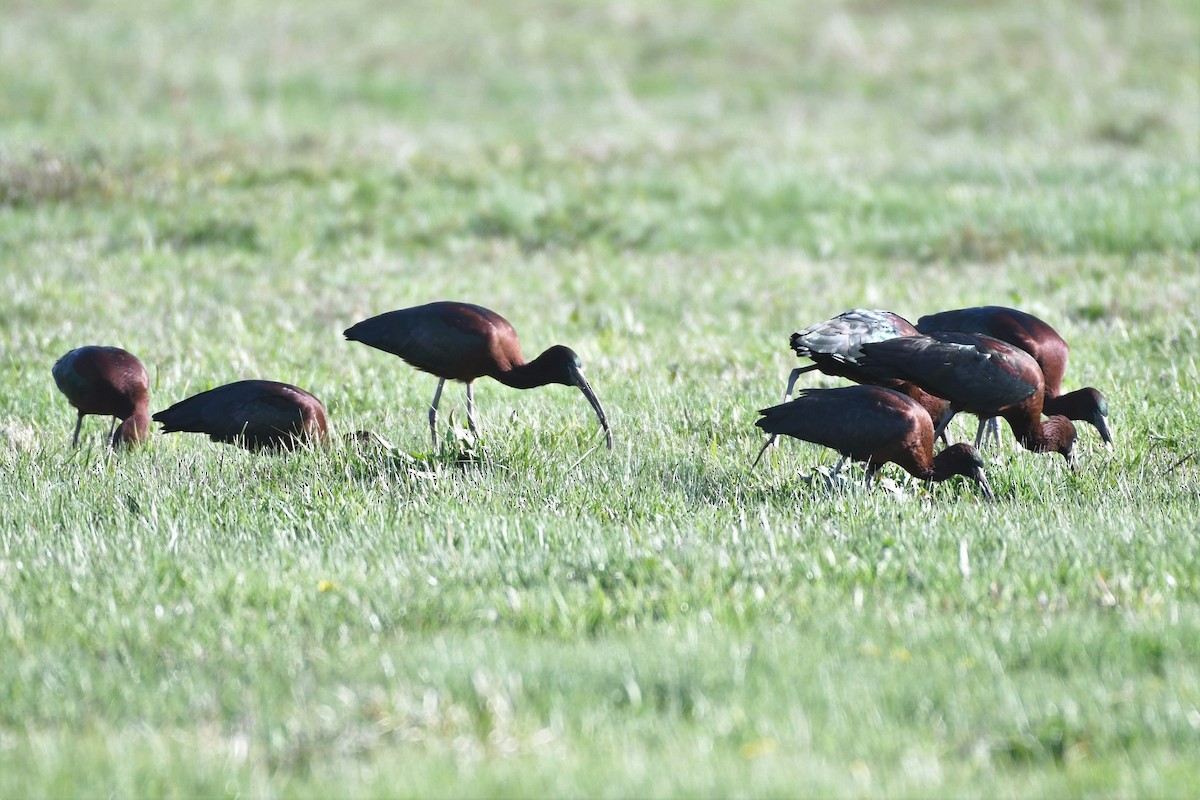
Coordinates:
<point>989,361</point>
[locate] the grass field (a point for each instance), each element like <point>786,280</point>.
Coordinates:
<point>671,189</point>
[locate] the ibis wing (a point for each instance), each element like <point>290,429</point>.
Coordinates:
<point>842,337</point>
<point>854,420</point>
<point>68,378</point>
<point>264,414</point>
<point>951,367</point>
<point>1018,328</point>
<point>435,337</point>
<point>969,320</point>
<point>245,407</point>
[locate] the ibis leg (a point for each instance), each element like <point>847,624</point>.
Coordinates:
<point>437,396</point>
<point>988,431</point>
<point>78,425</point>
<point>796,373</point>
<point>471,409</point>
<point>838,467</point>
<point>940,428</point>
<point>787,395</point>
<point>770,441</point>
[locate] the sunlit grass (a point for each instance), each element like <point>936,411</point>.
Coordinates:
<point>670,190</point>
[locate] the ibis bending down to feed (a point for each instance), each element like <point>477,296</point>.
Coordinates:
<point>462,342</point>
<point>980,375</point>
<point>834,345</point>
<point>1041,341</point>
<point>253,414</point>
<point>107,381</point>
<point>874,425</point>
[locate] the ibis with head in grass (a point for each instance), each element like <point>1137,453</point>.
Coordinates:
<point>1041,341</point>
<point>980,375</point>
<point>110,382</point>
<point>254,414</point>
<point>874,425</point>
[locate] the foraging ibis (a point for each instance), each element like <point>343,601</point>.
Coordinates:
<point>462,342</point>
<point>253,414</point>
<point>1041,341</point>
<point>834,345</point>
<point>980,375</point>
<point>874,425</point>
<point>107,381</point>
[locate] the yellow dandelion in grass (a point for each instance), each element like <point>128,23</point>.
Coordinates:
<point>326,586</point>
<point>758,748</point>
<point>869,649</point>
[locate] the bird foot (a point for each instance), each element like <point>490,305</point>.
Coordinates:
<point>368,440</point>
<point>467,445</point>
<point>825,477</point>
<point>891,487</point>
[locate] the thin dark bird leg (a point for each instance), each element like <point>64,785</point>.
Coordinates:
<point>940,428</point>
<point>787,395</point>
<point>872,469</point>
<point>838,467</point>
<point>437,396</point>
<point>111,429</point>
<point>770,441</point>
<point>471,409</point>
<point>78,425</point>
<point>791,384</point>
<point>989,429</point>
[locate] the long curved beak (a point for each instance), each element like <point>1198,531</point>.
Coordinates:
<point>984,486</point>
<point>1101,423</point>
<point>585,387</point>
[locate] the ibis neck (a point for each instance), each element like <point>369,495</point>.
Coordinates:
<point>1079,404</point>
<point>528,375</point>
<point>1049,436</point>
<point>945,465</point>
<point>936,406</point>
<point>134,429</point>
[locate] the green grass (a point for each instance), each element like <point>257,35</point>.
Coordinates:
<point>671,189</point>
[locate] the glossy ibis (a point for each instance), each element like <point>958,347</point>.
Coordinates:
<point>834,345</point>
<point>107,381</point>
<point>874,425</point>
<point>1041,341</point>
<point>462,342</point>
<point>253,414</point>
<point>980,375</point>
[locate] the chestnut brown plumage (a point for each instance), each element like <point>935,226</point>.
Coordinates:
<point>834,345</point>
<point>874,425</point>
<point>977,374</point>
<point>254,414</point>
<point>463,342</point>
<point>107,381</point>
<point>1041,341</point>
